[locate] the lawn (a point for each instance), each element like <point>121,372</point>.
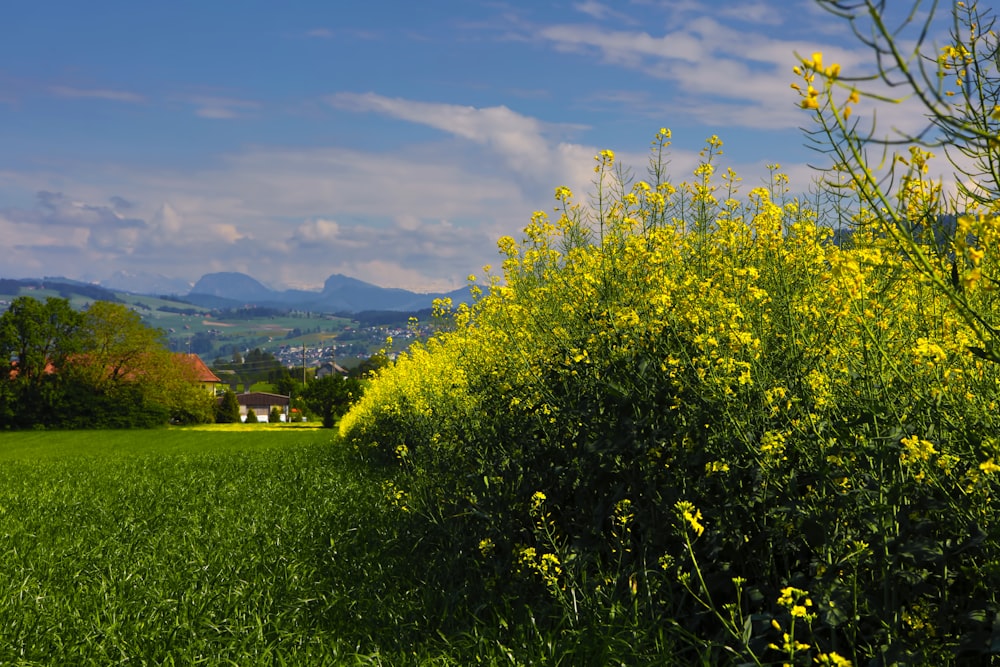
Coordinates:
<point>182,546</point>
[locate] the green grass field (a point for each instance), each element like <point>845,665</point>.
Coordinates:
<point>182,546</point>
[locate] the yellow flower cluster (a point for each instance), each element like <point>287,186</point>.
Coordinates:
<point>546,565</point>
<point>710,290</point>
<point>691,516</point>
<point>832,659</point>
<point>808,70</point>
<point>916,449</point>
<point>687,336</point>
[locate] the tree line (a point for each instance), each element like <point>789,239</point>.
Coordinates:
<point>101,367</point>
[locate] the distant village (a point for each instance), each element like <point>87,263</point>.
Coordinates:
<point>298,356</point>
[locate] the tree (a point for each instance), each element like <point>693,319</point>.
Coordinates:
<point>371,365</point>
<point>128,360</point>
<point>251,417</point>
<point>275,416</point>
<point>40,338</point>
<point>179,389</point>
<point>287,385</point>
<point>119,347</point>
<point>331,396</point>
<point>228,409</point>
<point>102,367</point>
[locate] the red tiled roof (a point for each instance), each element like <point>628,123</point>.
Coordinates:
<point>194,362</point>
<point>49,369</point>
<point>200,371</point>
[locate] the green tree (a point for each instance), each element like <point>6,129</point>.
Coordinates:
<point>251,416</point>
<point>130,361</point>
<point>228,409</point>
<point>371,365</point>
<point>331,396</point>
<point>275,416</point>
<point>100,368</point>
<point>287,385</point>
<point>119,347</point>
<point>260,366</point>
<point>180,390</point>
<point>39,338</point>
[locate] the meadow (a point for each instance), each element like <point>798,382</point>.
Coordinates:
<point>183,546</point>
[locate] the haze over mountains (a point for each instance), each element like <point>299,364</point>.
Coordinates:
<point>340,293</point>
<point>146,283</point>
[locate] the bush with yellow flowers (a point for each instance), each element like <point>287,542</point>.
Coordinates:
<point>693,413</point>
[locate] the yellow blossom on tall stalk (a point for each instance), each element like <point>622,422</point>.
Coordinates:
<point>916,449</point>
<point>692,516</point>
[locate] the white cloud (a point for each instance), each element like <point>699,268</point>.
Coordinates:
<point>527,145</point>
<point>318,231</point>
<point>167,225</point>
<point>215,112</point>
<point>225,232</point>
<point>417,219</point>
<point>724,76</point>
<point>760,13</point>
<point>626,48</point>
<point>389,274</point>
<point>71,92</point>
<point>289,216</point>
<point>221,108</point>
<point>512,134</point>
<point>601,11</point>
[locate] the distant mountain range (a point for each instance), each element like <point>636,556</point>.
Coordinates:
<point>146,283</point>
<point>340,293</point>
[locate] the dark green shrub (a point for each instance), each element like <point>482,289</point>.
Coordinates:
<point>227,409</point>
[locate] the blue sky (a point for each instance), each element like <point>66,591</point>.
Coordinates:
<point>391,141</point>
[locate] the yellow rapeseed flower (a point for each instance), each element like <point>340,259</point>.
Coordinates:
<point>691,515</point>
<point>916,449</point>
<point>606,156</point>
<point>716,466</point>
<point>550,565</point>
<point>832,659</point>
<point>486,546</point>
<point>989,467</point>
